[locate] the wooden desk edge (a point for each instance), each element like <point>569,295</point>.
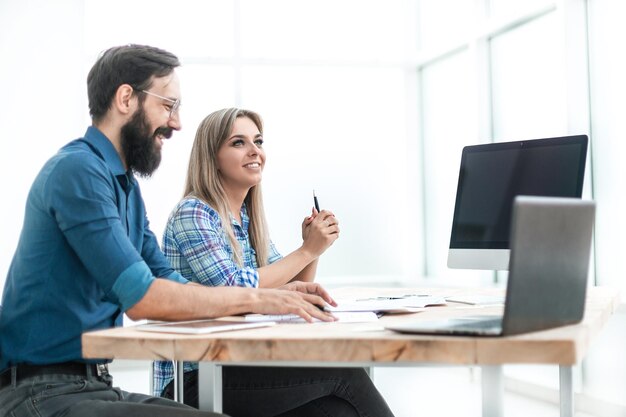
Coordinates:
<point>382,348</point>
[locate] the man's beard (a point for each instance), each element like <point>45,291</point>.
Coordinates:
<point>139,146</point>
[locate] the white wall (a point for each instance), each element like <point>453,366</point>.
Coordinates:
<point>338,109</point>
<point>44,100</point>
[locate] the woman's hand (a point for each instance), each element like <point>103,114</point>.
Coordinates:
<point>319,231</point>
<point>307,221</point>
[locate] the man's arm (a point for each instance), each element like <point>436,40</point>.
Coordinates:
<point>168,300</point>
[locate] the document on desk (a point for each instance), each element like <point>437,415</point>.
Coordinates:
<point>400,304</point>
<point>477,300</point>
<point>201,326</point>
<point>342,317</point>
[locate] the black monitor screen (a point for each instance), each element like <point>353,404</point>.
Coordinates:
<point>492,175</point>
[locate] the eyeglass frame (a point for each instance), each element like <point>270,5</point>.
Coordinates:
<point>175,103</point>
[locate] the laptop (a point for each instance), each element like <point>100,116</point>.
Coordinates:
<point>548,269</point>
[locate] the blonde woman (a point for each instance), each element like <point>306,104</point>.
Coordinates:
<point>217,235</point>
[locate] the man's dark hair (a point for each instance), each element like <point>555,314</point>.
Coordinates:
<point>130,64</point>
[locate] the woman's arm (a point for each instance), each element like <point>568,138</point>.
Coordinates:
<point>198,238</point>
<point>308,273</point>
<point>286,269</point>
<point>301,264</point>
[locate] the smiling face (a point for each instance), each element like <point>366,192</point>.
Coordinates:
<point>153,121</point>
<point>241,158</point>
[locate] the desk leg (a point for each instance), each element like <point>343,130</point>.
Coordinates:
<point>174,365</point>
<point>566,385</point>
<point>210,387</point>
<point>493,390</point>
<point>151,379</point>
<point>179,382</point>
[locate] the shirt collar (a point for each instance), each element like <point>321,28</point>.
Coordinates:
<point>245,220</point>
<point>96,138</point>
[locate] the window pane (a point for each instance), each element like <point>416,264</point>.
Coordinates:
<point>449,124</point>
<point>443,22</point>
<point>342,132</point>
<point>510,8</point>
<point>192,28</point>
<point>608,86</point>
<point>325,29</point>
<point>529,99</point>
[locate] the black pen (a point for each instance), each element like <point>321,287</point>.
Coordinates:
<point>317,205</point>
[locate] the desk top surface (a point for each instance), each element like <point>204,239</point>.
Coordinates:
<point>366,343</point>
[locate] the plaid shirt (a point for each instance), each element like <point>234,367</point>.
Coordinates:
<point>195,244</point>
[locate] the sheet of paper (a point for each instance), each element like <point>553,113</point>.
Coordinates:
<point>202,326</point>
<point>343,317</point>
<point>479,300</point>
<point>388,304</point>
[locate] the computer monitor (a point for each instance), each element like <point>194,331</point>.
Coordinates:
<point>490,177</point>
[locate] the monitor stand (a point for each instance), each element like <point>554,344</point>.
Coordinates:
<point>496,259</point>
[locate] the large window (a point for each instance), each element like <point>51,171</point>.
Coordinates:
<point>522,71</point>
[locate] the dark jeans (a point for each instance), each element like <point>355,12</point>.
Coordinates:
<point>290,392</point>
<point>78,396</point>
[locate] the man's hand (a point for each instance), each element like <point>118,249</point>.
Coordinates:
<point>294,298</point>
<point>309,288</point>
<point>162,301</point>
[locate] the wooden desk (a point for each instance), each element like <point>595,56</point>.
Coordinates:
<point>347,344</point>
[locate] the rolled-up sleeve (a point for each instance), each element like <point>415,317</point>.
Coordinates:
<point>131,285</point>
<point>274,255</point>
<point>199,237</point>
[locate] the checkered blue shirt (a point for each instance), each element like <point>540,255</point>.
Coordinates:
<point>196,245</point>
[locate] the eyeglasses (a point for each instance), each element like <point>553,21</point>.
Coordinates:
<point>175,103</point>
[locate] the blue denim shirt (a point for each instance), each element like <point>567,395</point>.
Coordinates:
<point>85,255</point>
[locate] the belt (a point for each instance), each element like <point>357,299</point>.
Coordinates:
<point>24,371</point>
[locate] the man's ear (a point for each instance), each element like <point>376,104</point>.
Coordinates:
<point>124,100</point>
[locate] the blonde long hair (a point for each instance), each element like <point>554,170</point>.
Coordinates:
<point>204,180</point>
